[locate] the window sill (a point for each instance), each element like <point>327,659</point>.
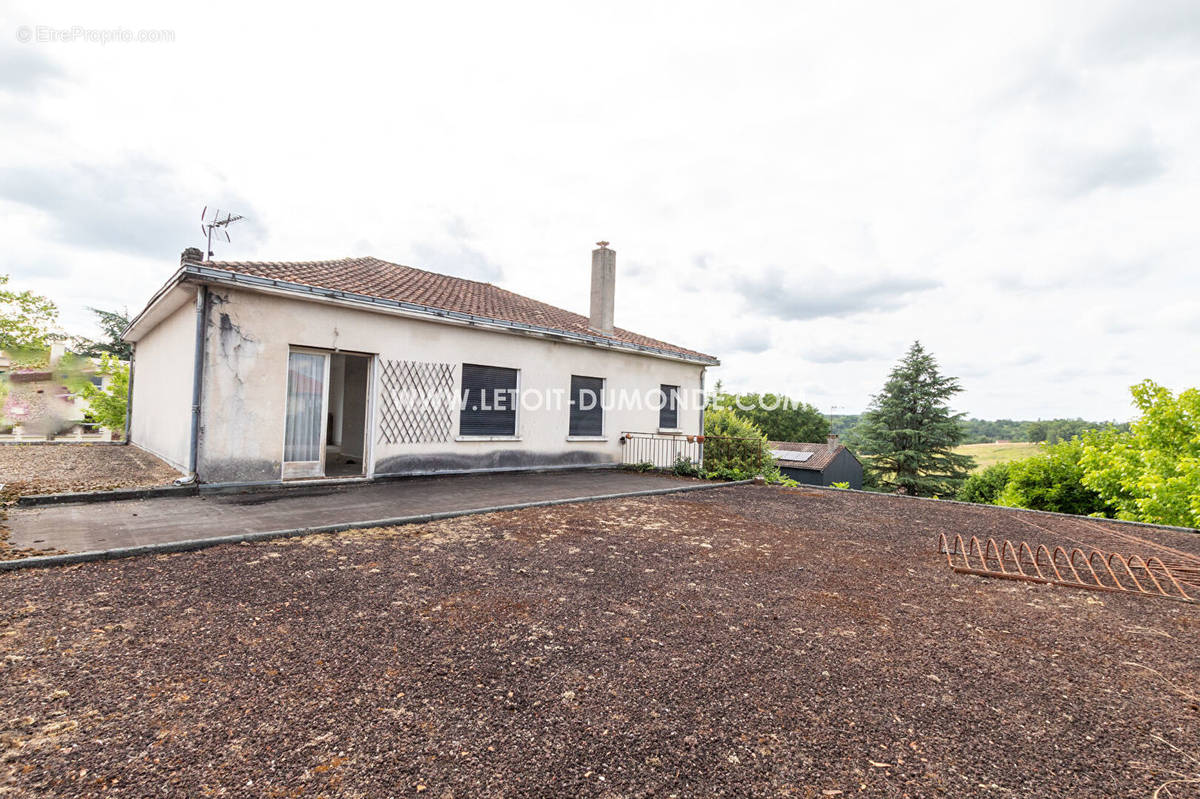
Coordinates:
<point>587,438</point>
<point>670,431</point>
<point>487,438</point>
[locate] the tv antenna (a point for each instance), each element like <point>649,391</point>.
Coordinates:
<point>218,223</point>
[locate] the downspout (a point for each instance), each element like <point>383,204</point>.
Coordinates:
<point>703,401</point>
<point>197,384</point>
<point>129,394</point>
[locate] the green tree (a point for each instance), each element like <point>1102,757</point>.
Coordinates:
<point>1052,480</point>
<point>108,404</point>
<point>113,324</point>
<point>984,486</point>
<point>26,319</point>
<point>1055,430</point>
<point>1152,472</point>
<point>909,433</point>
<point>779,417</point>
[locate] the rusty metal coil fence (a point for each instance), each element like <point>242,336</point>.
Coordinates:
<point>1075,567</point>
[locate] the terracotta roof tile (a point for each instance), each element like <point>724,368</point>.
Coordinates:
<point>822,454</point>
<point>377,278</point>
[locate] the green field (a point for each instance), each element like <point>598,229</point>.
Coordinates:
<point>987,454</point>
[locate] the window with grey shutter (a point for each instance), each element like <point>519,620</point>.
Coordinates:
<point>668,411</point>
<point>489,401</point>
<point>587,409</point>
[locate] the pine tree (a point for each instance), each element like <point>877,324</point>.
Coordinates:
<point>908,434</point>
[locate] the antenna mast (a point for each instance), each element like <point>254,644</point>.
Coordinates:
<point>218,223</point>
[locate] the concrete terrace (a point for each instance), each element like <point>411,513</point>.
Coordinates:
<point>85,527</point>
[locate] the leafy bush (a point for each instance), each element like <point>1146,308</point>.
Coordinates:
<point>108,405</point>
<point>727,473</point>
<point>644,466</point>
<point>686,467</point>
<point>1052,481</point>
<point>1152,473</point>
<point>839,484</point>
<point>734,446</point>
<point>985,486</point>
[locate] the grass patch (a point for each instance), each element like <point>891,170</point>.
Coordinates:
<point>986,455</point>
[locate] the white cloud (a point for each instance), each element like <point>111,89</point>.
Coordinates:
<point>977,176</point>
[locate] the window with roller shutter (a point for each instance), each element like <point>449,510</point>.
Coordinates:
<point>587,406</point>
<point>489,401</point>
<point>668,411</point>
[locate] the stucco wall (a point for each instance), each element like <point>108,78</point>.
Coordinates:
<point>249,336</point>
<point>162,387</point>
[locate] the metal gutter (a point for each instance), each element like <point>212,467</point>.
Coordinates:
<point>227,277</point>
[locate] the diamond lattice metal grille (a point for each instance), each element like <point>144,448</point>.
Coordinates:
<point>418,402</point>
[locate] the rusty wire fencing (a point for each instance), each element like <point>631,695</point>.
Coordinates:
<point>704,453</point>
<point>1075,567</point>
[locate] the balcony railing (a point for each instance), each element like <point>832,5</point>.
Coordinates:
<point>664,451</point>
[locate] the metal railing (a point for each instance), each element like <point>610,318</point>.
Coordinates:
<point>661,451</point>
<point>664,451</point>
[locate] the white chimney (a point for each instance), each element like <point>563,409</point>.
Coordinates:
<point>832,441</point>
<point>604,287</point>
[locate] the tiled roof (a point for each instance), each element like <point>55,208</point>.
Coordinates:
<point>822,454</point>
<point>377,278</point>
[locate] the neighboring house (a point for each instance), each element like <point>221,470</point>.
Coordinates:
<point>363,367</point>
<point>37,400</point>
<point>818,464</point>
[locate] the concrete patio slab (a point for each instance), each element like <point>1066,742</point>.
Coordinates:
<point>139,522</point>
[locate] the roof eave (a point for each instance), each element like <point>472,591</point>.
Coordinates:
<point>202,273</point>
<point>131,333</point>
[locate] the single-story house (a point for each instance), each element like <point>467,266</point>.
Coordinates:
<point>248,372</point>
<point>818,464</point>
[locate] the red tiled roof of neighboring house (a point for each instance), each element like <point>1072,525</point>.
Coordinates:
<point>822,454</point>
<point>377,278</point>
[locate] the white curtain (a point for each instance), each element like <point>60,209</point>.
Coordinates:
<point>305,398</point>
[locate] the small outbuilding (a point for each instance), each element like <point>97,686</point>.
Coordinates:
<point>818,464</point>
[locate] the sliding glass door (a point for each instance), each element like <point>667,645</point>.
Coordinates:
<point>307,397</point>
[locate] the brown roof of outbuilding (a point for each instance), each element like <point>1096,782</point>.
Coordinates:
<point>822,454</point>
<point>374,277</point>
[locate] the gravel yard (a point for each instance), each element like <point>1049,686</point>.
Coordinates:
<point>745,641</point>
<point>58,468</point>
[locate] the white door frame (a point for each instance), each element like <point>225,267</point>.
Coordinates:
<point>369,422</point>
<point>296,469</point>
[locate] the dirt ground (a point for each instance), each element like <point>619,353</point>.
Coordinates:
<point>745,641</point>
<point>58,468</point>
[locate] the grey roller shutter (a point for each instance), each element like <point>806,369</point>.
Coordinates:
<point>668,412</point>
<point>587,409</point>
<point>489,406</point>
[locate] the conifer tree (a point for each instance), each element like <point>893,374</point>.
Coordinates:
<point>908,435</point>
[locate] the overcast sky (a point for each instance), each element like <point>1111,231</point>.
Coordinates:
<point>799,190</point>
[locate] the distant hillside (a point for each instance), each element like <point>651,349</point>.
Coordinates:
<point>987,454</point>
<point>983,431</point>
